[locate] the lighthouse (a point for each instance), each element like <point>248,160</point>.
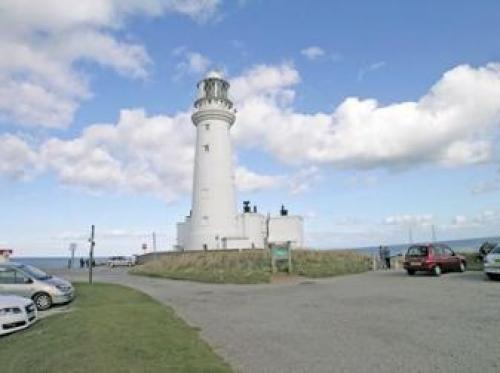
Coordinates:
<point>214,222</point>
<point>213,212</point>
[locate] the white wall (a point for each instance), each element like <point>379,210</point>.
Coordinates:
<point>287,228</point>
<point>253,226</point>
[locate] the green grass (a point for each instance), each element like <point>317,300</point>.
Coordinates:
<point>313,263</point>
<point>251,266</point>
<point>246,267</point>
<point>473,262</point>
<point>110,328</point>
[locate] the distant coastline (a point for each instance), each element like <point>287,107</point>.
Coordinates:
<point>466,245</point>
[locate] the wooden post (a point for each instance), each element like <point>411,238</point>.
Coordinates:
<point>91,254</point>
<point>289,243</point>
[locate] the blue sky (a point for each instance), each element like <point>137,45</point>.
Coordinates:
<point>365,117</point>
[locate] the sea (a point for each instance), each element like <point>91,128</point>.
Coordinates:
<point>59,262</point>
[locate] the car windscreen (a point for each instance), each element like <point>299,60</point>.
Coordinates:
<point>496,250</point>
<point>417,251</point>
<point>34,272</point>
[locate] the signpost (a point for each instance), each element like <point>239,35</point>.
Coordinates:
<point>91,254</point>
<point>281,252</point>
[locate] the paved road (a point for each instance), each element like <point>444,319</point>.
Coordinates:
<point>373,322</point>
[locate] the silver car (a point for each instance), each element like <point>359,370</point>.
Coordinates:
<point>30,282</point>
<point>492,263</point>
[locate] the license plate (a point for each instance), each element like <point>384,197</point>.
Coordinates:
<point>414,263</point>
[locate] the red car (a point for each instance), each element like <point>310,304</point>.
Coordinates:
<point>433,258</point>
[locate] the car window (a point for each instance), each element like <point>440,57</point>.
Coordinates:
<point>417,251</point>
<point>448,251</point>
<point>496,250</point>
<point>11,276</point>
<point>438,250</point>
<point>35,272</point>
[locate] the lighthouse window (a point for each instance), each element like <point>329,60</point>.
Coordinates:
<point>206,147</point>
<point>207,126</point>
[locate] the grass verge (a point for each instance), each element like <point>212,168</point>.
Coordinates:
<point>251,266</point>
<point>312,263</point>
<point>474,263</point>
<point>110,328</point>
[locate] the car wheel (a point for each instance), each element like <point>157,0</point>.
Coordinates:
<point>411,272</point>
<point>43,301</point>
<point>462,267</point>
<point>437,271</point>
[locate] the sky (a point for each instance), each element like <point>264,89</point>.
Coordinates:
<point>367,118</point>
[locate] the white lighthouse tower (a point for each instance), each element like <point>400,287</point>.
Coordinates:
<point>214,222</point>
<point>213,213</point>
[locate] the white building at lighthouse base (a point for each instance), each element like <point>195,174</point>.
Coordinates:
<point>252,230</point>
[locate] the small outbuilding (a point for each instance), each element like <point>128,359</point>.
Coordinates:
<point>5,255</point>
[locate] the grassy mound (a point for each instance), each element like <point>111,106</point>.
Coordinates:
<point>245,267</point>
<point>110,328</point>
<point>251,266</point>
<point>313,263</point>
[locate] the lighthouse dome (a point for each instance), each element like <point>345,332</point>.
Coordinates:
<point>215,74</point>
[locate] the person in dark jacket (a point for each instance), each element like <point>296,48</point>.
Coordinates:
<point>387,257</point>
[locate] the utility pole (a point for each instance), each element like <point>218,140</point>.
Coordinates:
<point>434,239</point>
<point>410,233</point>
<point>266,238</point>
<point>154,245</point>
<point>91,253</point>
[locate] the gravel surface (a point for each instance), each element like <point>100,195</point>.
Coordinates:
<point>374,322</point>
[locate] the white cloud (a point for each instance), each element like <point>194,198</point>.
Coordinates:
<point>42,45</point>
<point>370,68</point>
<point>313,52</point>
<point>193,63</point>
<point>249,181</point>
<point>484,187</point>
<point>409,219</point>
<point>303,179</point>
<point>17,159</point>
<point>451,125</point>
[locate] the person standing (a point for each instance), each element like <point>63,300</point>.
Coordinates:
<point>381,256</point>
<point>387,257</point>
<point>82,262</point>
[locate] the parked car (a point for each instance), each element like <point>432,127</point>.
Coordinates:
<point>492,263</point>
<point>433,258</point>
<point>16,313</point>
<point>30,282</point>
<point>120,261</point>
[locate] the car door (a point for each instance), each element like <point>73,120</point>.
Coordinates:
<point>452,260</point>
<point>437,251</point>
<point>15,282</point>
